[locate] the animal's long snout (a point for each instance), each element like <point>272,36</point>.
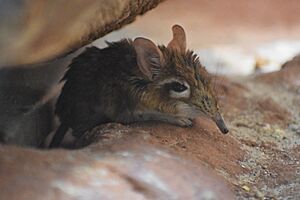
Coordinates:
<point>220,123</point>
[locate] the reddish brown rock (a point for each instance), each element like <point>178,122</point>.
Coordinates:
<point>128,169</point>
<point>288,76</point>
<point>34,31</point>
<point>259,158</point>
<point>203,142</point>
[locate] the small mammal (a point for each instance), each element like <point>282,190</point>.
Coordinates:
<point>131,81</point>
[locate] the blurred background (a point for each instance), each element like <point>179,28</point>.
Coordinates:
<point>232,37</point>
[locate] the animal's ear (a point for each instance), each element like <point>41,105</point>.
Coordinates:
<point>179,39</point>
<point>149,57</point>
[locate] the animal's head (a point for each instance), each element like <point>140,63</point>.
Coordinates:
<point>177,83</point>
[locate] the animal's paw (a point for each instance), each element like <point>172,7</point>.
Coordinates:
<point>184,122</point>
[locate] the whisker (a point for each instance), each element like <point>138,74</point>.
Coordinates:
<point>215,78</point>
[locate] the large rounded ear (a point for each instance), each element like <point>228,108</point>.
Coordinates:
<point>179,39</point>
<point>149,57</point>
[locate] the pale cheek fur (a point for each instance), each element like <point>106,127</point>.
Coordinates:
<point>185,110</point>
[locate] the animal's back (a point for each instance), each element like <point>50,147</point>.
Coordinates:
<point>95,80</point>
<point>136,81</point>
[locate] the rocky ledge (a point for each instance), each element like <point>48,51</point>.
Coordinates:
<point>258,159</point>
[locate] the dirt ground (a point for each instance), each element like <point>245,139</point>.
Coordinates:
<point>260,156</point>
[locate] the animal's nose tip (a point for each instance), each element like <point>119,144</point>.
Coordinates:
<point>225,130</point>
<point>221,124</point>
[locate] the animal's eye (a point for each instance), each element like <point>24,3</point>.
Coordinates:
<point>178,87</point>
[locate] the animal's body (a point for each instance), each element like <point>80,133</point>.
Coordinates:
<point>131,81</point>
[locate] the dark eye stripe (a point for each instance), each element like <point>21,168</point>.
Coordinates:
<point>176,86</point>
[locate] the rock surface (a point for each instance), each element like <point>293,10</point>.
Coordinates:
<point>126,169</point>
<point>35,31</point>
<point>259,158</point>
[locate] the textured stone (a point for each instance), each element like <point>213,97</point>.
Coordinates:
<point>260,152</point>
<point>128,169</point>
<point>33,31</point>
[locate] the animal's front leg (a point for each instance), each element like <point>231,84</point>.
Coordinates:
<point>157,116</point>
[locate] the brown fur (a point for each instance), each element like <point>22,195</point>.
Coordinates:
<point>133,81</point>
